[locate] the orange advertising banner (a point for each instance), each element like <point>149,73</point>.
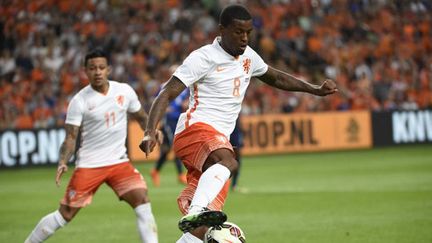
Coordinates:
<point>286,133</point>
<point>301,132</point>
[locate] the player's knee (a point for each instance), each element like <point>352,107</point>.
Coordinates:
<point>224,157</point>
<point>136,197</point>
<point>143,200</point>
<point>231,164</point>
<point>234,165</point>
<point>137,203</point>
<point>68,217</point>
<point>68,213</point>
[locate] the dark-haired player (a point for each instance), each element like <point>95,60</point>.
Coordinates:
<point>99,111</point>
<point>217,76</point>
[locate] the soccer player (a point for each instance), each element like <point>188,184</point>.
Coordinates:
<point>99,111</point>
<point>217,75</point>
<point>169,123</point>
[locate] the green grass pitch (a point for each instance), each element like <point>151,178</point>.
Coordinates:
<point>380,196</point>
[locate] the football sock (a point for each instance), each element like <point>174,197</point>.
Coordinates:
<point>46,227</point>
<point>189,238</point>
<point>146,223</point>
<point>209,186</point>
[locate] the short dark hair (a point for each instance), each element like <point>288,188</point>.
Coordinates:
<point>232,12</point>
<point>98,52</point>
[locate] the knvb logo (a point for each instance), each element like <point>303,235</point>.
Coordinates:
<point>120,100</point>
<point>412,126</point>
<point>246,65</point>
<point>353,130</point>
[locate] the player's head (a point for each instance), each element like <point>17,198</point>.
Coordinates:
<point>97,67</point>
<point>235,25</point>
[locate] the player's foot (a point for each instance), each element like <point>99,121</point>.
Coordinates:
<point>182,179</point>
<point>207,218</point>
<point>155,177</point>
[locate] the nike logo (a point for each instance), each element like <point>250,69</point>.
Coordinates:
<point>217,178</point>
<point>220,69</point>
<point>228,241</point>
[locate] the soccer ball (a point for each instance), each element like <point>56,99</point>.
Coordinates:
<point>227,232</point>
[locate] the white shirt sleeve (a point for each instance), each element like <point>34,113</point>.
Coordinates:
<point>259,67</point>
<point>75,112</point>
<point>134,104</point>
<point>193,68</point>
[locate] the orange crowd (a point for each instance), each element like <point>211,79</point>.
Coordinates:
<point>378,52</point>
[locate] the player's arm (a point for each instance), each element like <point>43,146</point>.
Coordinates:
<point>141,117</point>
<point>67,149</point>
<point>168,93</point>
<point>288,82</point>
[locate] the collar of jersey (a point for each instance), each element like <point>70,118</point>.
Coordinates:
<point>216,42</point>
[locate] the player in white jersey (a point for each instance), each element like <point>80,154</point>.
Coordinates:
<point>99,111</point>
<point>217,76</point>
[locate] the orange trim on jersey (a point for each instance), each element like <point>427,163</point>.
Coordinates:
<point>190,111</point>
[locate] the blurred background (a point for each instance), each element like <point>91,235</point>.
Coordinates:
<point>378,52</point>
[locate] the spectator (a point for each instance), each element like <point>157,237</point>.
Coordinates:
<point>378,51</point>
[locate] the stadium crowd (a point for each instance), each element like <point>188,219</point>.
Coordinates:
<point>378,51</point>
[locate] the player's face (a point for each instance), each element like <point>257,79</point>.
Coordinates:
<point>235,37</point>
<point>97,71</point>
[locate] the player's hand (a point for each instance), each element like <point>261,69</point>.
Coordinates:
<point>149,141</point>
<point>61,169</point>
<point>326,88</point>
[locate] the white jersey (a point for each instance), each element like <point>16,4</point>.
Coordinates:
<point>217,83</point>
<point>103,123</point>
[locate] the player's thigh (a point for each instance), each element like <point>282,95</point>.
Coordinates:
<point>124,178</point>
<point>222,156</point>
<point>83,185</point>
<point>201,143</point>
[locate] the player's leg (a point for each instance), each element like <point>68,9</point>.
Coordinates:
<point>49,224</point>
<point>164,150</point>
<point>209,154</point>
<point>181,175</point>
<point>146,223</point>
<point>130,186</point>
<point>217,169</point>
<point>78,194</point>
<point>236,173</point>
<point>184,201</point>
<point>236,141</point>
<point>162,158</point>
<point>154,173</point>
